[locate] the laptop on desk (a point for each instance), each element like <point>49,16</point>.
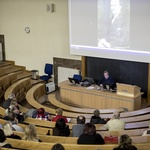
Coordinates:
<point>73,81</point>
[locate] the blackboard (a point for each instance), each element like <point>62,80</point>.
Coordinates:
<point>134,73</point>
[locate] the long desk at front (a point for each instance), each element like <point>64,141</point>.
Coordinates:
<point>98,99</point>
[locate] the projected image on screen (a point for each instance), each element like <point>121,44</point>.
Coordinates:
<point>116,29</point>
<point>114,24</point>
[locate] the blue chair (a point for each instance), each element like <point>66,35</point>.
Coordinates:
<point>78,77</point>
<point>48,71</point>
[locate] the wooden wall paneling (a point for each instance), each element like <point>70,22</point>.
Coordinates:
<point>148,92</point>
<point>83,67</point>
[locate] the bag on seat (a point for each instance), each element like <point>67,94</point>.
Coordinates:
<point>111,139</point>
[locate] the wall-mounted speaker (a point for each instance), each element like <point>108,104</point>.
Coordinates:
<point>50,7</point>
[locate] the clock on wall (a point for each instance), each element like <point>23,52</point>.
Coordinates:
<point>27,30</point>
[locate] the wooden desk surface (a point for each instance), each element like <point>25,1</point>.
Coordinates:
<point>94,98</point>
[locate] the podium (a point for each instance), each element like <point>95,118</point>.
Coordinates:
<point>128,90</point>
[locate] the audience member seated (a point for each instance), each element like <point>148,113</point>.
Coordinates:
<point>125,143</point>
<point>90,136</point>
<point>58,147</point>
<point>41,115</point>
<point>2,140</point>
<point>77,129</point>
<point>59,113</point>
<point>7,102</point>
<point>30,134</point>
<point>61,129</point>
<point>147,132</point>
<point>13,108</point>
<point>115,123</point>
<point>96,119</point>
<point>7,127</point>
<point>11,116</point>
<point>15,103</point>
<point>33,113</point>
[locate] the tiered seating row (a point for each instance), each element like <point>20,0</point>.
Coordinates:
<point>73,140</point>
<point>46,146</point>
<point>19,88</point>
<point>9,74</point>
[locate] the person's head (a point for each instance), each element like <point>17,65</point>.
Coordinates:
<point>125,139</point>
<point>11,116</point>
<point>14,102</point>
<point>41,111</point>
<point>89,129</point>
<point>60,124</point>
<point>10,109</point>
<point>58,147</point>
<point>59,111</point>
<point>115,6</point>
<point>106,74</point>
<point>80,119</point>
<point>12,96</point>
<point>96,113</point>
<point>7,127</point>
<point>2,136</point>
<point>30,133</point>
<point>116,115</point>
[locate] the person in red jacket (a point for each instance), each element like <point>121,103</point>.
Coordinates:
<point>59,113</point>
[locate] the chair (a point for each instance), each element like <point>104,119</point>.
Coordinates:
<point>48,71</point>
<point>78,77</point>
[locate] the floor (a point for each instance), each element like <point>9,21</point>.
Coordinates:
<point>44,101</point>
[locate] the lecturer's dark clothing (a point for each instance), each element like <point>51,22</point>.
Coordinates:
<point>97,120</point>
<point>109,81</point>
<point>90,139</point>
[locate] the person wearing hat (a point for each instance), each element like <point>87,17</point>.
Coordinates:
<point>38,114</point>
<point>61,129</point>
<point>7,102</point>
<point>42,115</point>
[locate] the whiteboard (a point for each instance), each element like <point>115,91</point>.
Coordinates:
<point>64,73</point>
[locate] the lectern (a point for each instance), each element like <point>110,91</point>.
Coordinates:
<point>128,90</point>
